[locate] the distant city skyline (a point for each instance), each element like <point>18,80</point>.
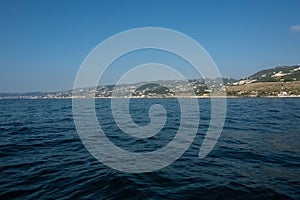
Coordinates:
<point>43,43</point>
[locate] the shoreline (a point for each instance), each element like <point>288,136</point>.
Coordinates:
<point>173,97</point>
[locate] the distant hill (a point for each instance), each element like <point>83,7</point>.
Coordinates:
<point>152,89</point>
<point>277,81</point>
<point>277,74</point>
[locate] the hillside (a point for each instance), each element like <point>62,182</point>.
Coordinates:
<point>277,81</point>
<point>152,89</point>
<point>265,89</point>
<point>280,73</point>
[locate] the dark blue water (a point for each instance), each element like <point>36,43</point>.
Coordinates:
<point>256,157</point>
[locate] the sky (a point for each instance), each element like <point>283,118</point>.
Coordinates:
<point>43,43</point>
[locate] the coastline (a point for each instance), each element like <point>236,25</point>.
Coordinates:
<point>173,97</point>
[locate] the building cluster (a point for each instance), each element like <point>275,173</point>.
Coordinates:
<point>155,89</point>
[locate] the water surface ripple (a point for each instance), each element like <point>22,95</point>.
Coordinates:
<point>256,157</point>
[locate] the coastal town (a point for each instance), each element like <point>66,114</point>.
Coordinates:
<point>281,81</point>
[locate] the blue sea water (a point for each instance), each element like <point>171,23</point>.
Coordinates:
<point>256,157</point>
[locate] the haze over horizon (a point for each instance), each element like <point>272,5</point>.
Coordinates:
<point>43,43</point>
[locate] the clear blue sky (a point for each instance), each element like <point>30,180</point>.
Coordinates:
<point>42,43</point>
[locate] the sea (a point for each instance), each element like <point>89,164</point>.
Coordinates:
<point>257,155</point>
